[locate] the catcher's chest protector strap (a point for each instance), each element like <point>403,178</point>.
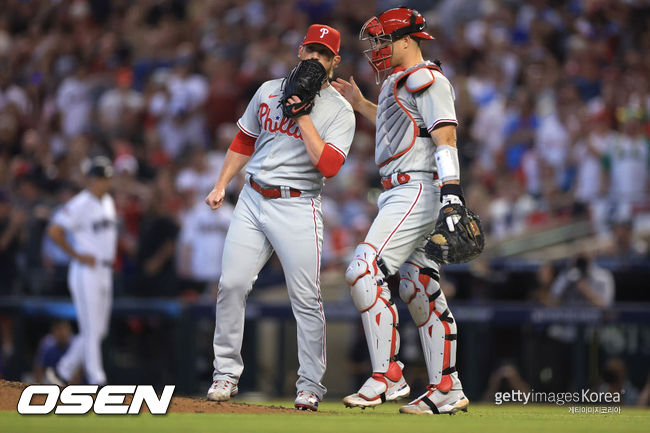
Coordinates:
<point>419,79</point>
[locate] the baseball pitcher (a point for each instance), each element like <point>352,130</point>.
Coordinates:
<point>294,133</point>
<point>417,158</point>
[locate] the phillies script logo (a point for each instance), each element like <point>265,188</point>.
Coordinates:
<point>279,124</point>
<point>80,399</point>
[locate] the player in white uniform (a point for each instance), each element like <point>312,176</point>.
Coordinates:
<point>91,219</point>
<point>416,154</point>
<point>279,209</point>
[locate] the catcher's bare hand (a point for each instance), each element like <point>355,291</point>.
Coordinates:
<point>349,90</point>
<point>215,198</point>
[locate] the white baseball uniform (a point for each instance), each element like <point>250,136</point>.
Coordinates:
<point>411,104</point>
<point>290,225</point>
<point>93,225</point>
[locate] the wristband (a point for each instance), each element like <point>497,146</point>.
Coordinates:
<point>447,163</point>
<point>452,189</point>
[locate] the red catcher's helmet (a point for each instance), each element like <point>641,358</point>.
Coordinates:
<point>382,31</point>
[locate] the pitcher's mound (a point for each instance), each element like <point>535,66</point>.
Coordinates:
<point>10,393</point>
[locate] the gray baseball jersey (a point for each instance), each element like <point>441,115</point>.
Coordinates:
<point>291,226</point>
<point>280,157</point>
<point>93,225</point>
<point>400,114</point>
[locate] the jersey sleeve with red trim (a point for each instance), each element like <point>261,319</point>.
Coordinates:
<point>436,103</point>
<point>338,136</point>
<point>243,144</point>
<point>249,122</point>
<point>331,161</point>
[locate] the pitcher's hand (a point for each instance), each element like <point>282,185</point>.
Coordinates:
<point>215,198</point>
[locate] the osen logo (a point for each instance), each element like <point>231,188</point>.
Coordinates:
<point>80,399</point>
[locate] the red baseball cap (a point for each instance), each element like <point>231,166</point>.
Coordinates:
<point>324,35</point>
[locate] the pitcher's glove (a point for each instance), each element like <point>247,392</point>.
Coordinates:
<point>304,82</point>
<point>458,236</point>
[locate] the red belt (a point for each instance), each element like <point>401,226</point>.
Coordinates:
<point>401,179</point>
<point>272,192</point>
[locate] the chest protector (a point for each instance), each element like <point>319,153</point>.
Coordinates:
<point>397,128</point>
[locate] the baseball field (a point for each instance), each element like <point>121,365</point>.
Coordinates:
<point>279,416</point>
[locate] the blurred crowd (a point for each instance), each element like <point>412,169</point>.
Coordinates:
<point>553,102</point>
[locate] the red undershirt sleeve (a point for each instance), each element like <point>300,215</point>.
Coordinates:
<point>243,144</point>
<point>330,161</point>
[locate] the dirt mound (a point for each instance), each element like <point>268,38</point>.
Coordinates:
<point>10,393</point>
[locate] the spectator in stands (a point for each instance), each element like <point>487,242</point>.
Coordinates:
<point>180,106</point>
<point>156,246</point>
<point>13,97</point>
<point>200,245</point>
<point>623,246</point>
<point>629,166</point>
<point>584,283</point>
<point>51,348</point>
<point>644,395</point>
<point>119,104</point>
<point>615,380</point>
<point>504,379</point>
<point>73,100</point>
<point>541,293</point>
<point>12,223</point>
<point>595,136</point>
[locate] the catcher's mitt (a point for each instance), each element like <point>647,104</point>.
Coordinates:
<point>458,246</point>
<point>304,82</point>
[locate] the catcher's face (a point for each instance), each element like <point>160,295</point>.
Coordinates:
<point>322,54</point>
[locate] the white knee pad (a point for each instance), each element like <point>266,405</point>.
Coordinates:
<point>363,277</point>
<point>418,287</point>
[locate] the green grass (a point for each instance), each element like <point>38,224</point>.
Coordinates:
<point>333,417</point>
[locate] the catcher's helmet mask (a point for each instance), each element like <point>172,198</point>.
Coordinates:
<point>389,27</point>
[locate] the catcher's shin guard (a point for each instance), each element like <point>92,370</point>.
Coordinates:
<point>378,313</point>
<point>420,289</point>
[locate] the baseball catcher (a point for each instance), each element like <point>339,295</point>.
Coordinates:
<point>417,157</point>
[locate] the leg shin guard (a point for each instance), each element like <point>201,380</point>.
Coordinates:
<point>420,289</point>
<point>378,314</point>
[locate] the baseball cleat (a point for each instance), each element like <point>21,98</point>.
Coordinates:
<point>222,390</point>
<point>306,400</point>
<point>434,401</point>
<point>380,388</point>
<point>51,376</point>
